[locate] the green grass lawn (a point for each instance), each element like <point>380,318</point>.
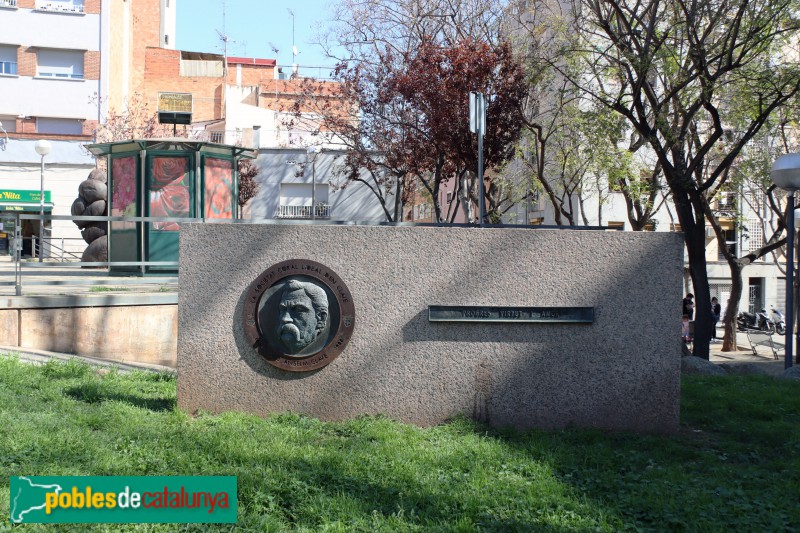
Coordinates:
<point>735,466</point>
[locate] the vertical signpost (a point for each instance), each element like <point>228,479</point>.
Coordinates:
<point>477,124</point>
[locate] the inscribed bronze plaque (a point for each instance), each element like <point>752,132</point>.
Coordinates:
<point>299,315</point>
<point>484,313</point>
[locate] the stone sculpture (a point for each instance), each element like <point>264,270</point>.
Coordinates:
<point>91,201</point>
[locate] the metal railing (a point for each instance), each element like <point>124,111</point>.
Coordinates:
<point>8,3</point>
<point>64,267</point>
<point>218,137</point>
<point>75,6</point>
<point>45,249</point>
<point>320,211</point>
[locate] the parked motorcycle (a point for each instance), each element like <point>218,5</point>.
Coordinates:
<point>780,321</point>
<point>758,322</point>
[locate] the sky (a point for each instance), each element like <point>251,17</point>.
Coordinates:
<point>251,25</point>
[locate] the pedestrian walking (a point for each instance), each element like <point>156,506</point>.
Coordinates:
<point>688,305</point>
<point>716,309</point>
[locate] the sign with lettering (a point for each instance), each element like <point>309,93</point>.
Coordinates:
<point>15,195</point>
<point>299,315</point>
<point>175,102</point>
<point>481,313</point>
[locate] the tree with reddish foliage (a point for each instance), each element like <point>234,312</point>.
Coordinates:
<point>409,121</point>
<point>248,186</point>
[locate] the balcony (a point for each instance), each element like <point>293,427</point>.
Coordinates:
<point>74,6</point>
<point>220,136</point>
<point>8,3</point>
<point>726,204</point>
<point>320,211</point>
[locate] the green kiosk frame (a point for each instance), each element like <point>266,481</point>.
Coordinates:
<point>168,178</point>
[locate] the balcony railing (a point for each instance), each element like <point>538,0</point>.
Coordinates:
<point>75,6</point>
<point>64,75</point>
<point>320,211</point>
<point>219,137</point>
<point>8,3</point>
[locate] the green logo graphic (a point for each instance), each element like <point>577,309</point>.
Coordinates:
<point>123,499</point>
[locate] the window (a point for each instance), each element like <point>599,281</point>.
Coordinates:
<point>296,201</point>
<point>756,234</point>
<point>59,126</point>
<point>535,201</point>
<point>616,225</point>
<point>9,123</point>
<point>449,197</point>
<point>60,63</point>
<point>729,232</point>
<point>8,60</point>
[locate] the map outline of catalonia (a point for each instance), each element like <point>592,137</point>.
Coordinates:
<point>20,514</point>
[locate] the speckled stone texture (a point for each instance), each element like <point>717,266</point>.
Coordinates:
<point>621,372</point>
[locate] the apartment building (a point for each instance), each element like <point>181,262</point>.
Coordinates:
<point>62,63</point>
<point>249,101</point>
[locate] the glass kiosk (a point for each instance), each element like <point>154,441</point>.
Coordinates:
<point>170,178</point>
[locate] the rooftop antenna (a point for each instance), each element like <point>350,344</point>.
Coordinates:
<point>294,48</point>
<point>224,38</point>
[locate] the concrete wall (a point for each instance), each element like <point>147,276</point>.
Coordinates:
<point>622,371</point>
<point>49,29</point>
<point>133,333</point>
<point>9,327</point>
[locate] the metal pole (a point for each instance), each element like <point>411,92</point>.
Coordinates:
<point>313,184</point>
<point>17,251</point>
<point>794,293</point>
<point>481,192</point>
<point>41,212</point>
<point>142,227</point>
<point>789,280</point>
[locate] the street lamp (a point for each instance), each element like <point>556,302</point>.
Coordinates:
<point>42,148</point>
<point>786,175</point>
<point>313,151</point>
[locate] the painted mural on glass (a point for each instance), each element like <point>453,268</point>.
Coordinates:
<point>123,193</point>
<point>219,188</point>
<point>169,191</point>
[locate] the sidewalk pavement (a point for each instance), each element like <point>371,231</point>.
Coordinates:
<point>40,357</point>
<point>55,279</point>
<point>763,362</point>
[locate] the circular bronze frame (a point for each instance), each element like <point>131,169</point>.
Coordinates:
<point>341,331</point>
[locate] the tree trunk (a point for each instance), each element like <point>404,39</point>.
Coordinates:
<point>694,236</point>
<point>729,320</point>
<point>466,202</point>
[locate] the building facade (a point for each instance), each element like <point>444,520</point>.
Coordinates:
<point>62,64</point>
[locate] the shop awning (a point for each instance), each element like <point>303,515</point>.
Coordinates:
<point>26,207</point>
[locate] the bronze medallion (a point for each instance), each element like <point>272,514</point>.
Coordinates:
<point>299,315</point>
